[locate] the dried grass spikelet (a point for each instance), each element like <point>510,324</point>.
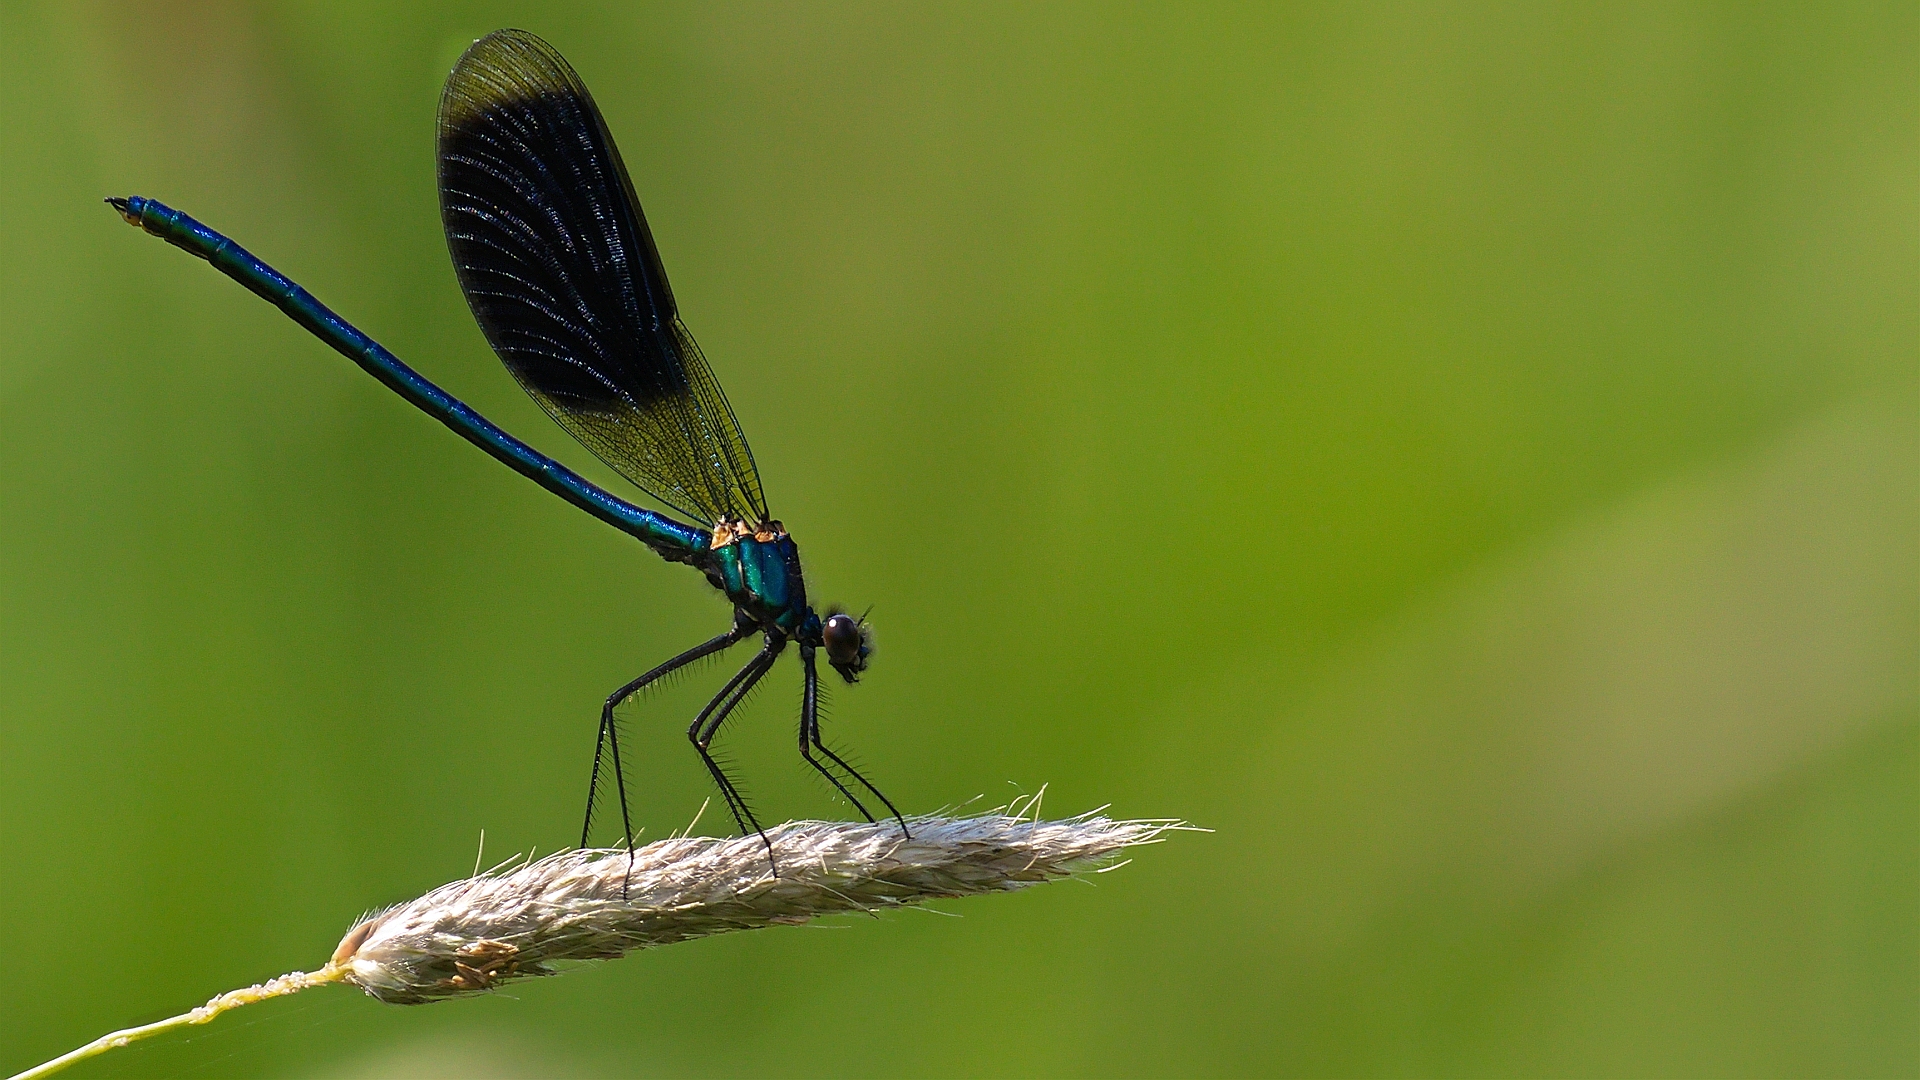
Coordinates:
<point>471,935</point>
<point>594,904</point>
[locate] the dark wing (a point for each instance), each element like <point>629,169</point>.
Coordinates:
<point>560,269</point>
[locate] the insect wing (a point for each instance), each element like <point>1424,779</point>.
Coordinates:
<point>560,269</point>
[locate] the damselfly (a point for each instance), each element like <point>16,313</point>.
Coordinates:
<point>561,272</point>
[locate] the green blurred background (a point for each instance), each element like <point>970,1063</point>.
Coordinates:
<point>1464,456</point>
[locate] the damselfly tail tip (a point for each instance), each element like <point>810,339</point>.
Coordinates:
<point>123,207</point>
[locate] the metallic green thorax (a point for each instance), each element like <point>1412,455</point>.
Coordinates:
<point>761,577</point>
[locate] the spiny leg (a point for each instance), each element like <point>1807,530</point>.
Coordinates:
<point>810,734</point>
<point>707,724</point>
<point>693,732</point>
<point>610,736</point>
<point>809,718</point>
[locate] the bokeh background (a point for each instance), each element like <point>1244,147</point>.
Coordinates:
<point>1465,456</point>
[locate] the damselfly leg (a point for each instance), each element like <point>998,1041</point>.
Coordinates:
<point>707,724</point>
<point>810,740</point>
<point>609,738</point>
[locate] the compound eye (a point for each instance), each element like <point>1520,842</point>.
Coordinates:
<point>841,634</point>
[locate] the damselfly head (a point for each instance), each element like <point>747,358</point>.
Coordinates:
<point>848,641</point>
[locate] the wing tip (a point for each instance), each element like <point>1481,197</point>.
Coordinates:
<point>505,67</point>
